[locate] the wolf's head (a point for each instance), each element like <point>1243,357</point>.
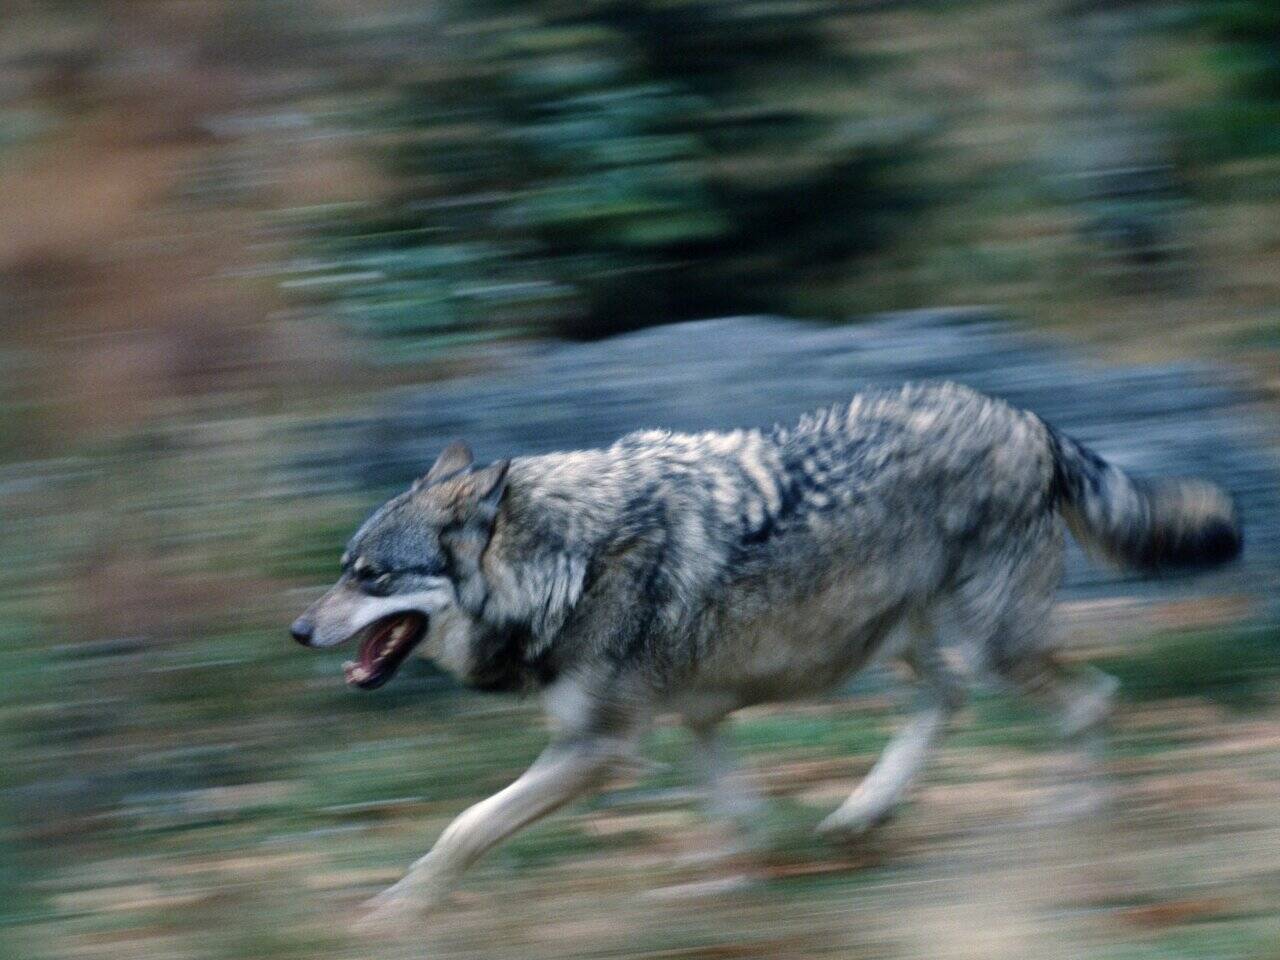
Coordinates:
<point>411,563</point>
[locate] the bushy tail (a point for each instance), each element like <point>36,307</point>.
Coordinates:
<point>1153,526</point>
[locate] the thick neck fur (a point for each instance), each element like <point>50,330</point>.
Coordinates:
<point>689,499</point>
<point>556,514</point>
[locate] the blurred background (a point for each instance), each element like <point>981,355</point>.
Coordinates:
<point>261,259</point>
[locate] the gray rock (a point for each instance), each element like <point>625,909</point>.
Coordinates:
<point>1167,419</point>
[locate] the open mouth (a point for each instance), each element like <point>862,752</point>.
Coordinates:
<point>384,644</point>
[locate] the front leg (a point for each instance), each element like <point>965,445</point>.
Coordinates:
<point>564,771</point>
<point>730,797</point>
<point>599,710</point>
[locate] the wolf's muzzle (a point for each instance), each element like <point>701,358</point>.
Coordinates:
<point>302,630</point>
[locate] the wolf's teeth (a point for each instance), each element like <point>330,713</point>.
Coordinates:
<point>399,633</point>
<point>355,672</point>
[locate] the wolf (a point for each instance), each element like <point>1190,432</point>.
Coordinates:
<point>691,575</point>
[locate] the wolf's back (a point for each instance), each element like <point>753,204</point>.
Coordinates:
<point>1139,524</point>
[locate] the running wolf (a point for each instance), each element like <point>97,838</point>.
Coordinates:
<point>692,575</point>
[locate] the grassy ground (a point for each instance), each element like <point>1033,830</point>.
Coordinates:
<point>1186,864</point>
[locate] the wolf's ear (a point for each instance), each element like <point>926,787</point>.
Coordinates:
<point>453,460</point>
<point>488,485</point>
<point>475,501</point>
<point>478,495</point>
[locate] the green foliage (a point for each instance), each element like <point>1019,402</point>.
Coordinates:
<point>1245,56</point>
<point>1251,57</point>
<point>787,832</point>
<point>1236,667</point>
<point>309,548</point>
<point>587,169</point>
<point>553,841</point>
<point>851,734</point>
<point>1005,721</point>
<point>413,290</point>
<point>1247,938</point>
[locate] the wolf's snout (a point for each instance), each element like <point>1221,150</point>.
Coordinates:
<point>302,630</point>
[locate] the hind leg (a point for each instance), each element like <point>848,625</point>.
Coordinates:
<point>1079,700</point>
<point>1003,606</point>
<point>939,695</point>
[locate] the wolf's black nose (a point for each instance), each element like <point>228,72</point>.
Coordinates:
<point>301,630</point>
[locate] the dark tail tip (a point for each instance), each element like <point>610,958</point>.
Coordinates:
<point>1216,543</point>
<point>1197,528</point>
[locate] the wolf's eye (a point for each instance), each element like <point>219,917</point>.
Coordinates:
<point>378,584</point>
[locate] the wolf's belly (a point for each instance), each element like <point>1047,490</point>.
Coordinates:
<point>794,651</point>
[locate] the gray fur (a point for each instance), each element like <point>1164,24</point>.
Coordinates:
<point>697,574</point>
<point>1141,524</point>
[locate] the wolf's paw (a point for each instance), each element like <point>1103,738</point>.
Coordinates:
<point>381,918</point>
<point>1090,706</point>
<point>400,907</point>
<point>849,823</point>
